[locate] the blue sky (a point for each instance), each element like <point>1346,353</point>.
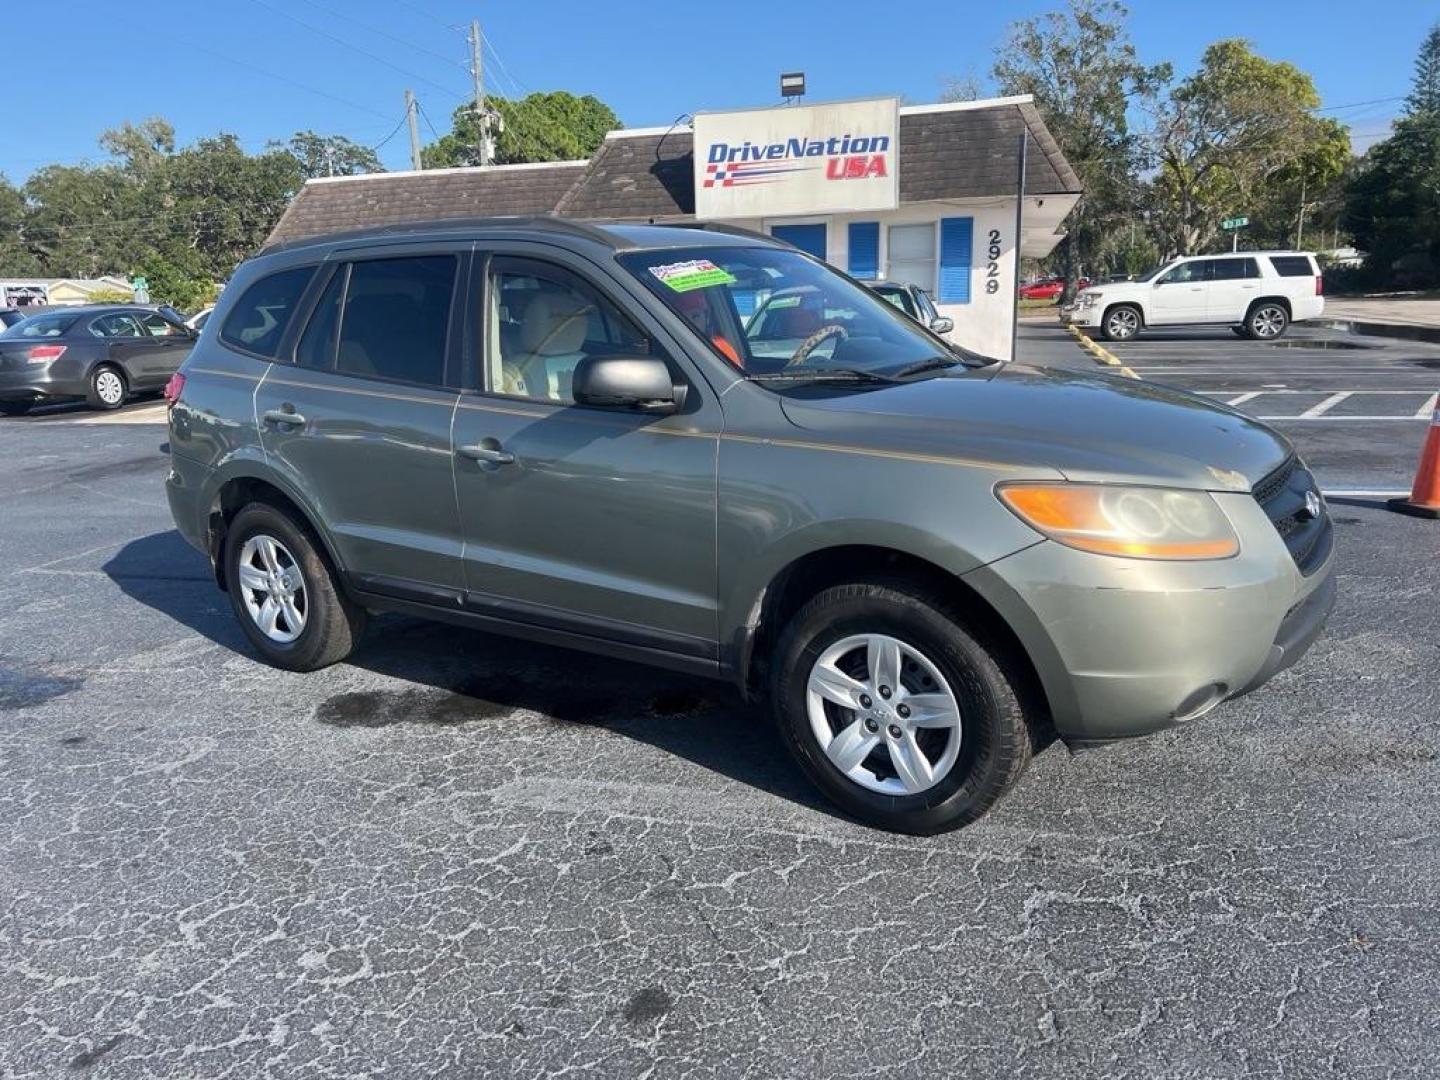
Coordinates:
<point>244,66</point>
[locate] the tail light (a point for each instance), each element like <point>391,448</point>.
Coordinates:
<point>43,354</point>
<point>1319,285</point>
<point>173,388</point>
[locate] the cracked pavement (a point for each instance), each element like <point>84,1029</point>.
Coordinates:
<point>462,856</point>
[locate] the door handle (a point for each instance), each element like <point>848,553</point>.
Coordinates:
<point>491,455</point>
<point>286,415</point>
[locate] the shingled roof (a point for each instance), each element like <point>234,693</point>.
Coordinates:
<point>954,151</point>
<point>341,203</point>
<point>962,150</point>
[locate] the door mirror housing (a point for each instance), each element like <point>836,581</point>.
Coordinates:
<point>626,382</point>
<point>942,324</point>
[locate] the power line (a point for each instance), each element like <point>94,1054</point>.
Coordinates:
<point>1357,104</point>
<point>393,132</point>
<point>363,52</point>
<point>426,117</point>
<point>386,34</point>
<point>286,79</point>
<point>428,14</point>
<point>519,88</point>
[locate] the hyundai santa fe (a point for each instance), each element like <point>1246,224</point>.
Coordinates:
<point>711,452</point>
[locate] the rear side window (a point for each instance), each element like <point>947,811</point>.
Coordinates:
<point>1233,269</point>
<point>395,319</point>
<point>1292,265</point>
<point>259,318</point>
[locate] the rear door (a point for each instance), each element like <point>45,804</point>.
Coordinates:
<point>1234,283</point>
<point>1180,295</point>
<point>360,419</point>
<point>129,347</point>
<point>589,520</point>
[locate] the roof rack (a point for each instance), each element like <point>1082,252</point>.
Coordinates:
<point>548,222</point>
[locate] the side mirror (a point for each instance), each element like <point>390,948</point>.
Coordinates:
<point>942,324</point>
<point>626,382</point>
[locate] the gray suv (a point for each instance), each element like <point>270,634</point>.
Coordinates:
<point>711,452</point>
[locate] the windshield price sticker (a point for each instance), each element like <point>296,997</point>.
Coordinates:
<point>695,274</point>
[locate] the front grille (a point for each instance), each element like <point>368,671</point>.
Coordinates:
<point>1281,494</point>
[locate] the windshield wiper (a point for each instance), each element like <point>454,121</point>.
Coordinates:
<point>934,363</point>
<point>847,375</point>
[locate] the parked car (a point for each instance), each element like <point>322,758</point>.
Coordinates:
<point>923,561</point>
<point>197,321</point>
<point>101,353</point>
<point>914,301</point>
<point>1257,293</point>
<point>1047,288</point>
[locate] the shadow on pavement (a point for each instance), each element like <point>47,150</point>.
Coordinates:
<point>459,675</point>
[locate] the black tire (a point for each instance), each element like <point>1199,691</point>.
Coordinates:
<point>333,625</point>
<point>1123,322</point>
<point>1240,331</point>
<point>14,408</point>
<point>996,734</point>
<point>1267,320</point>
<point>96,397</point>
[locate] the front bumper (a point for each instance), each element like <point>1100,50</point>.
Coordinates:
<point>1077,315</point>
<point>1126,647</point>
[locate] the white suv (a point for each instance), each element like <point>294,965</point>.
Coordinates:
<point>1256,293</point>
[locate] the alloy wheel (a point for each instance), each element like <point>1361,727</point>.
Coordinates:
<point>883,714</point>
<point>1268,321</point>
<point>273,588</point>
<point>1122,323</point>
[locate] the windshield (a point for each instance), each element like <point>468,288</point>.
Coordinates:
<point>1153,274</point>
<point>772,310</point>
<point>41,326</point>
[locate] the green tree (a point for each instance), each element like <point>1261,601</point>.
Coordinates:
<point>16,260</point>
<point>1425,95</point>
<point>1224,134</point>
<point>329,155</point>
<point>555,126</point>
<point>1084,74</point>
<point>1393,199</point>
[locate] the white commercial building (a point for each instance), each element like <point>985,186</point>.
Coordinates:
<point>925,194</point>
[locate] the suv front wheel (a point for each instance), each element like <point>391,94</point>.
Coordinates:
<point>1121,323</point>
<point>897,712</point>
<point>284,594</point>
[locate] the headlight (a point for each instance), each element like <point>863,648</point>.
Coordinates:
<point>1135,522</point>
<point>1088,299</point>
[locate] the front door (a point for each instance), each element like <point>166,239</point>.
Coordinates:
<point>137,353</point>
<point>596,521</point>
<point>1181,295</point>
<point>360,422</point>
<point>171,345</point>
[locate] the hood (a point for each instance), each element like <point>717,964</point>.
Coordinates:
<point>1087,426</point>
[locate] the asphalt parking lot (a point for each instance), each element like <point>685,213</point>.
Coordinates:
<point>462,856</point>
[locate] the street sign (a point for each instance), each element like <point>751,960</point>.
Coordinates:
<point>140,283</point>
<point>1235,223</point>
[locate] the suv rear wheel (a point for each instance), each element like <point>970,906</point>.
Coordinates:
<point>896,711</point>
<point>1121,323</point>
<point>1267,320</point>
<point>283,592</point>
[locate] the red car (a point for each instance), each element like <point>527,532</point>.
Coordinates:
<point>1047,289</point>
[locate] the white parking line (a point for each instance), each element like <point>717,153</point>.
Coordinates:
<point>1325,406</point>
<point>1241,399</point>
<point>1338,419</point>
<point>1428,408</point>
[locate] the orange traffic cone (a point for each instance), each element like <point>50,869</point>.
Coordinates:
<point>1424,500</point>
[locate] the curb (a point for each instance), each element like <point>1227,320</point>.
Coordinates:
<point>1098,353</point>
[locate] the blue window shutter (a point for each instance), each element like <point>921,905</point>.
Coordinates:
<point>808,238</point>
<point>865,249</point>
<point>957,235</point>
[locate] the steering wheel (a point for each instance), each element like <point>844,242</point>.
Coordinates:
<point>813,342</point>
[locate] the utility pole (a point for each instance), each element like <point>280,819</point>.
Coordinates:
<point>1300,225</point>
<point>412,117</point>
<point>482,115</point>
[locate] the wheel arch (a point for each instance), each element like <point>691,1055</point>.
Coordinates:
<point>808,574</point>
<point>1279,298</point>
<point>242,487</point>
<point>1135,304</point>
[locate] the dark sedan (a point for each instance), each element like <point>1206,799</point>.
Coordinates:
<point>101,354</point>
